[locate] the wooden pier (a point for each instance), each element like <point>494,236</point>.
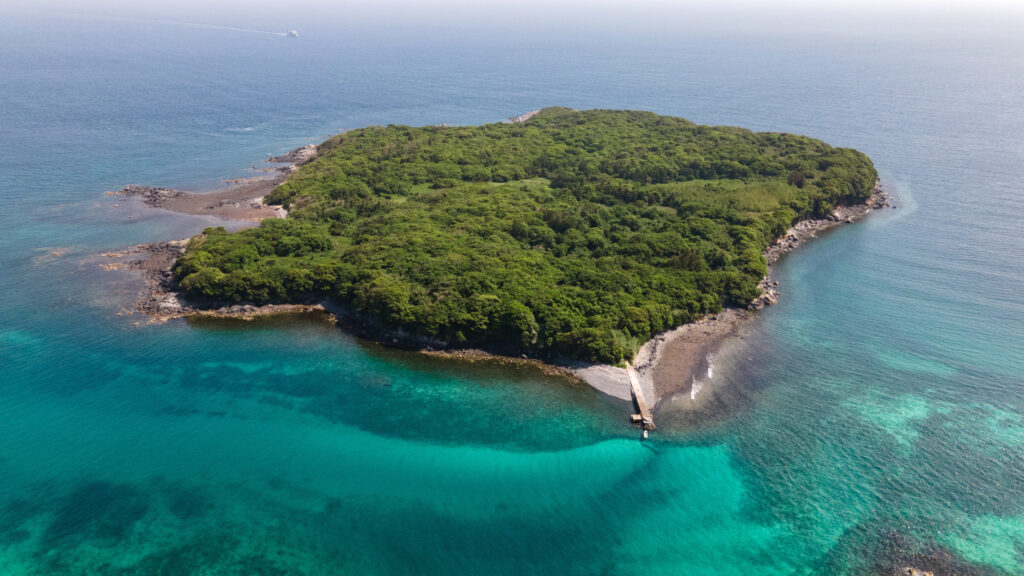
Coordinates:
<point>644,417</point>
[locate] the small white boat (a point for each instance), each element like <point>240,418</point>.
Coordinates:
<point>292,33</point>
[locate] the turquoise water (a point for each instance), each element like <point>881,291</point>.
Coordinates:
<point>874,418</point>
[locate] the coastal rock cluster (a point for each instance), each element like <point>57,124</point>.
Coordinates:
<point>769,294</point>
<point>160,298</point>
<point>295,158</point>
<point>524,117</point>
<point>152,196</point>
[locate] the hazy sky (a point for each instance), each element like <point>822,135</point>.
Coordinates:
<point>780,17</point>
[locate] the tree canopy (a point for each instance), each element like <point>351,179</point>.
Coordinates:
<point>575,233</point>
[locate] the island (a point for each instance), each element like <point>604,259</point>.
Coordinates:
<point>569,237</point>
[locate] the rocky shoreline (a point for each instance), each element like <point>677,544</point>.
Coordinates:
<point>806,230</point>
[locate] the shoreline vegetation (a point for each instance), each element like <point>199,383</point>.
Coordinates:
<point>666,361</point>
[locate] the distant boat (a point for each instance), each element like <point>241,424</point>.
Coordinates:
<point>292,34</point>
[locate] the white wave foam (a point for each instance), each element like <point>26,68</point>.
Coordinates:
<point>695,387</point>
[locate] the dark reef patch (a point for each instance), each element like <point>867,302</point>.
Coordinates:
<point>896,553</point>
<point>13,516</point>
<point>875,547</point>
<point>194,557</point>
<point>187,503</point>
<point>98,511</point>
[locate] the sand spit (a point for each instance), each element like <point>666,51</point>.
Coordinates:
<point>241,199</point>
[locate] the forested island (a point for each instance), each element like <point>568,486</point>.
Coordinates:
<point>573,233</point>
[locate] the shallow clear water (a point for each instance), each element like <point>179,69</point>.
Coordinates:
<point>874,417</point>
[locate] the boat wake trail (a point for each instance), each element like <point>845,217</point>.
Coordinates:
<point>219,27</point>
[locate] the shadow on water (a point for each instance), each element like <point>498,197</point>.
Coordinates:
<point>304,363</point>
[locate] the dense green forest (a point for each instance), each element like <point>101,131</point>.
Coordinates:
<point>579,234</point>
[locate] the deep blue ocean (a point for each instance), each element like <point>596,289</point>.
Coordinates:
<point>873,419</point>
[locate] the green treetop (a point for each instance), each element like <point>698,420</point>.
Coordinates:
<point>577,233</point>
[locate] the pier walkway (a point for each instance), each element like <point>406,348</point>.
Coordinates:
<point>644,417</point>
